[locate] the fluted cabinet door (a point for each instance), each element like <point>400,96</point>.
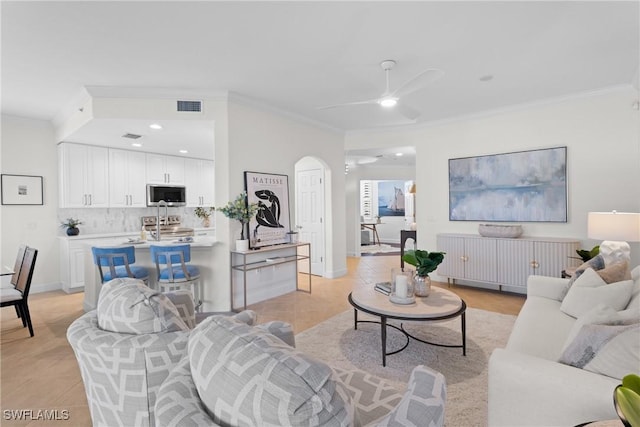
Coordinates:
<point>480,259</point>
<point>553,257</point>
<point>515,259</point>
<point>453,264</point>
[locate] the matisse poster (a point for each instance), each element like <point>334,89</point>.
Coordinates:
<point>270,224</point>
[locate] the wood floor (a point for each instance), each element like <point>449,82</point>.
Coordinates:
<point>41,373</point>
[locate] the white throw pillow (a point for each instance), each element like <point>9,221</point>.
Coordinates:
<point>590,289</point>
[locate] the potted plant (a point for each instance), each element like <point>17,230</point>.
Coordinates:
<point>71,224</point>
<point>205,215</point>
<point>425,262</point>
<point>626,399</point>
<point>585,254</point>
<point>242,211</point>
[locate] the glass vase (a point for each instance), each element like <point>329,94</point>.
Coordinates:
<point>422,286</point>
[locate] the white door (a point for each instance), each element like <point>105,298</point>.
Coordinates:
<point>310,214</point>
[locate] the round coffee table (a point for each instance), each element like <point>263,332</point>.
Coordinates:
<point>441,304</point>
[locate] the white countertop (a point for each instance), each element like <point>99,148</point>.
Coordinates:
<point>128,234</point>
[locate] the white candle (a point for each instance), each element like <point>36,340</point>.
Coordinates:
<point>401,286</point>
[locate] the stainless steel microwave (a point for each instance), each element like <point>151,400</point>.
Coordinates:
<point>173,195</point>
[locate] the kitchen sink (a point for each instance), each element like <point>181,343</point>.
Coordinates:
<point>169,232</point>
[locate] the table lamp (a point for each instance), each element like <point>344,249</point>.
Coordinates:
<point>616,229</point>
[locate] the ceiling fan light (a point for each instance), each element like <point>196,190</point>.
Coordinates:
<point>388,102</point>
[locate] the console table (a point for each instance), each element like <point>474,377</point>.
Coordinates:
<point>404,235</point>
<point>371,226</point>
<point>268,256</point>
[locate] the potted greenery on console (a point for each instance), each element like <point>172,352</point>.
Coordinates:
<point>71,225</point>
<point>240,210</point>
<point>424,262</point>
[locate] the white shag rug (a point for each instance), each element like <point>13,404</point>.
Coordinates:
<point>381,248</point>
<point>336,342</point>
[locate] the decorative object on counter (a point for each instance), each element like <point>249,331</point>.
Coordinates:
<point>242,211</point>
<point>71,225</point>
<point>626,398</point>
<point>496,230</point>
<point>205,215</point>
<point>425,262</point>
<point>585,254</point>
<point>292,236</point>
<point>378,220</point>
<point>402,286</point>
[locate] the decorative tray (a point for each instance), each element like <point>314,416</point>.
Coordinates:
<point>495,230</point>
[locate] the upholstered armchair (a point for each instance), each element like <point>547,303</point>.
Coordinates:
<point>235,374</point>
<point>127,347</point>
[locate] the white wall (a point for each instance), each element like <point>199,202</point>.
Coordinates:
<point>28,148</point>
<point>602,135</point>
<point>261,140</point>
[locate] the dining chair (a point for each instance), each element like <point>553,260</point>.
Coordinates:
<point>16,272</point>
<point>18,296</point>
<point>117,262</point>
<point>173,270</point>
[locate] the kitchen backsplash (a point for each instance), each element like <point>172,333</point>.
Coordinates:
<point>118,220</point>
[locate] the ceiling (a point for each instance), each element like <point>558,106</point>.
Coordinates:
<point>298,56</point>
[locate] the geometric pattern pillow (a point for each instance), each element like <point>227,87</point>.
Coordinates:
<point>246,376</point>
<point>129,306</point>
<point>612,350</point>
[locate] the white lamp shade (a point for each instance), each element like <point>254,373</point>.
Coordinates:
<point>617,226</point>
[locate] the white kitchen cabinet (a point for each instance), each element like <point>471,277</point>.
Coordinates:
<point>504,262</point>
<point>72,264</point>
<point>199,178</point>
<point>127,172</point>
<point>163,169</point>
<point>83,176</point>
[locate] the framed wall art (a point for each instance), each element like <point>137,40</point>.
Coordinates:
<point>22,190</point>
<point>524,186</point>
<point>390,198</point>
<point>270,224</point>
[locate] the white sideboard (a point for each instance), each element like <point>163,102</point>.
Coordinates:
<point>504,263</point>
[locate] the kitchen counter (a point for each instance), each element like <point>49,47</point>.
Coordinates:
<point>81,273</point>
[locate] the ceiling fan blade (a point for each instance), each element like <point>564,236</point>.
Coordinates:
<point>418,82</point>
<point>408,112</point>
<point>369,101</point>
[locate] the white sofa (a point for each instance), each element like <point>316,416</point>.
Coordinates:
<point>527,384</point>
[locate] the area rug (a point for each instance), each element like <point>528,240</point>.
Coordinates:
<point>336,342</point>
<point>382,248</point>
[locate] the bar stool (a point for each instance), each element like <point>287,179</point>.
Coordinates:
<point>174,272</point>
<point>120,262</point>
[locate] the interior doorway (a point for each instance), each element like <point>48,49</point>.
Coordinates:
<point>311,209</point>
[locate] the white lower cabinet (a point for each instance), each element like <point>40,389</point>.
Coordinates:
<point>71,265</point>
<point>504,262</point>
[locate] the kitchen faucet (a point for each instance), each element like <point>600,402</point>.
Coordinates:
<point>166,215</point>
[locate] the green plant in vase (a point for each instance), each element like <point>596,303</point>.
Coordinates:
<point>585,254</point>
<point>71,224</point>
<point>425,262</point>
<point>205,214</point>
<point>626,399</point>
<point>242,211</point>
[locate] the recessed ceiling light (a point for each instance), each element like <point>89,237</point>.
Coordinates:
<point>486,78</point>
<point>399,154</point>
<point>136,144</point>
<point>184,151</point>
<point>155,126</point>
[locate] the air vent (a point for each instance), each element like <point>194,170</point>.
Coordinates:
<point>190,106</point>
<point>131,136</point>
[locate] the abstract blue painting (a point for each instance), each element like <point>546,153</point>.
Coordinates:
<point>525,186</point>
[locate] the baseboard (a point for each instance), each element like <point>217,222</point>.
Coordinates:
<point>44,287</point>
<point>335,273</point>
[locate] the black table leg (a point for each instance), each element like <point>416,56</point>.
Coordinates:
<point>464,333</point>
<point>355,319</point>
<point>383,336</point>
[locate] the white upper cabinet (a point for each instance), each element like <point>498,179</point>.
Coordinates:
<point>127,172</point>
<point>83,176</point>
<point>199,179</point>
<point>163,169</point>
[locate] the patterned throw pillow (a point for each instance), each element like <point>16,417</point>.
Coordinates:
<point>246,376</point>
<point>612,273</point>
<point>611,350</point>
<point>129,306</point>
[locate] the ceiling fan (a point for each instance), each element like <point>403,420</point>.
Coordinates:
<point>390,99</point>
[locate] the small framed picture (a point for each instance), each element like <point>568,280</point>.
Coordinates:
<point>22,190</point>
